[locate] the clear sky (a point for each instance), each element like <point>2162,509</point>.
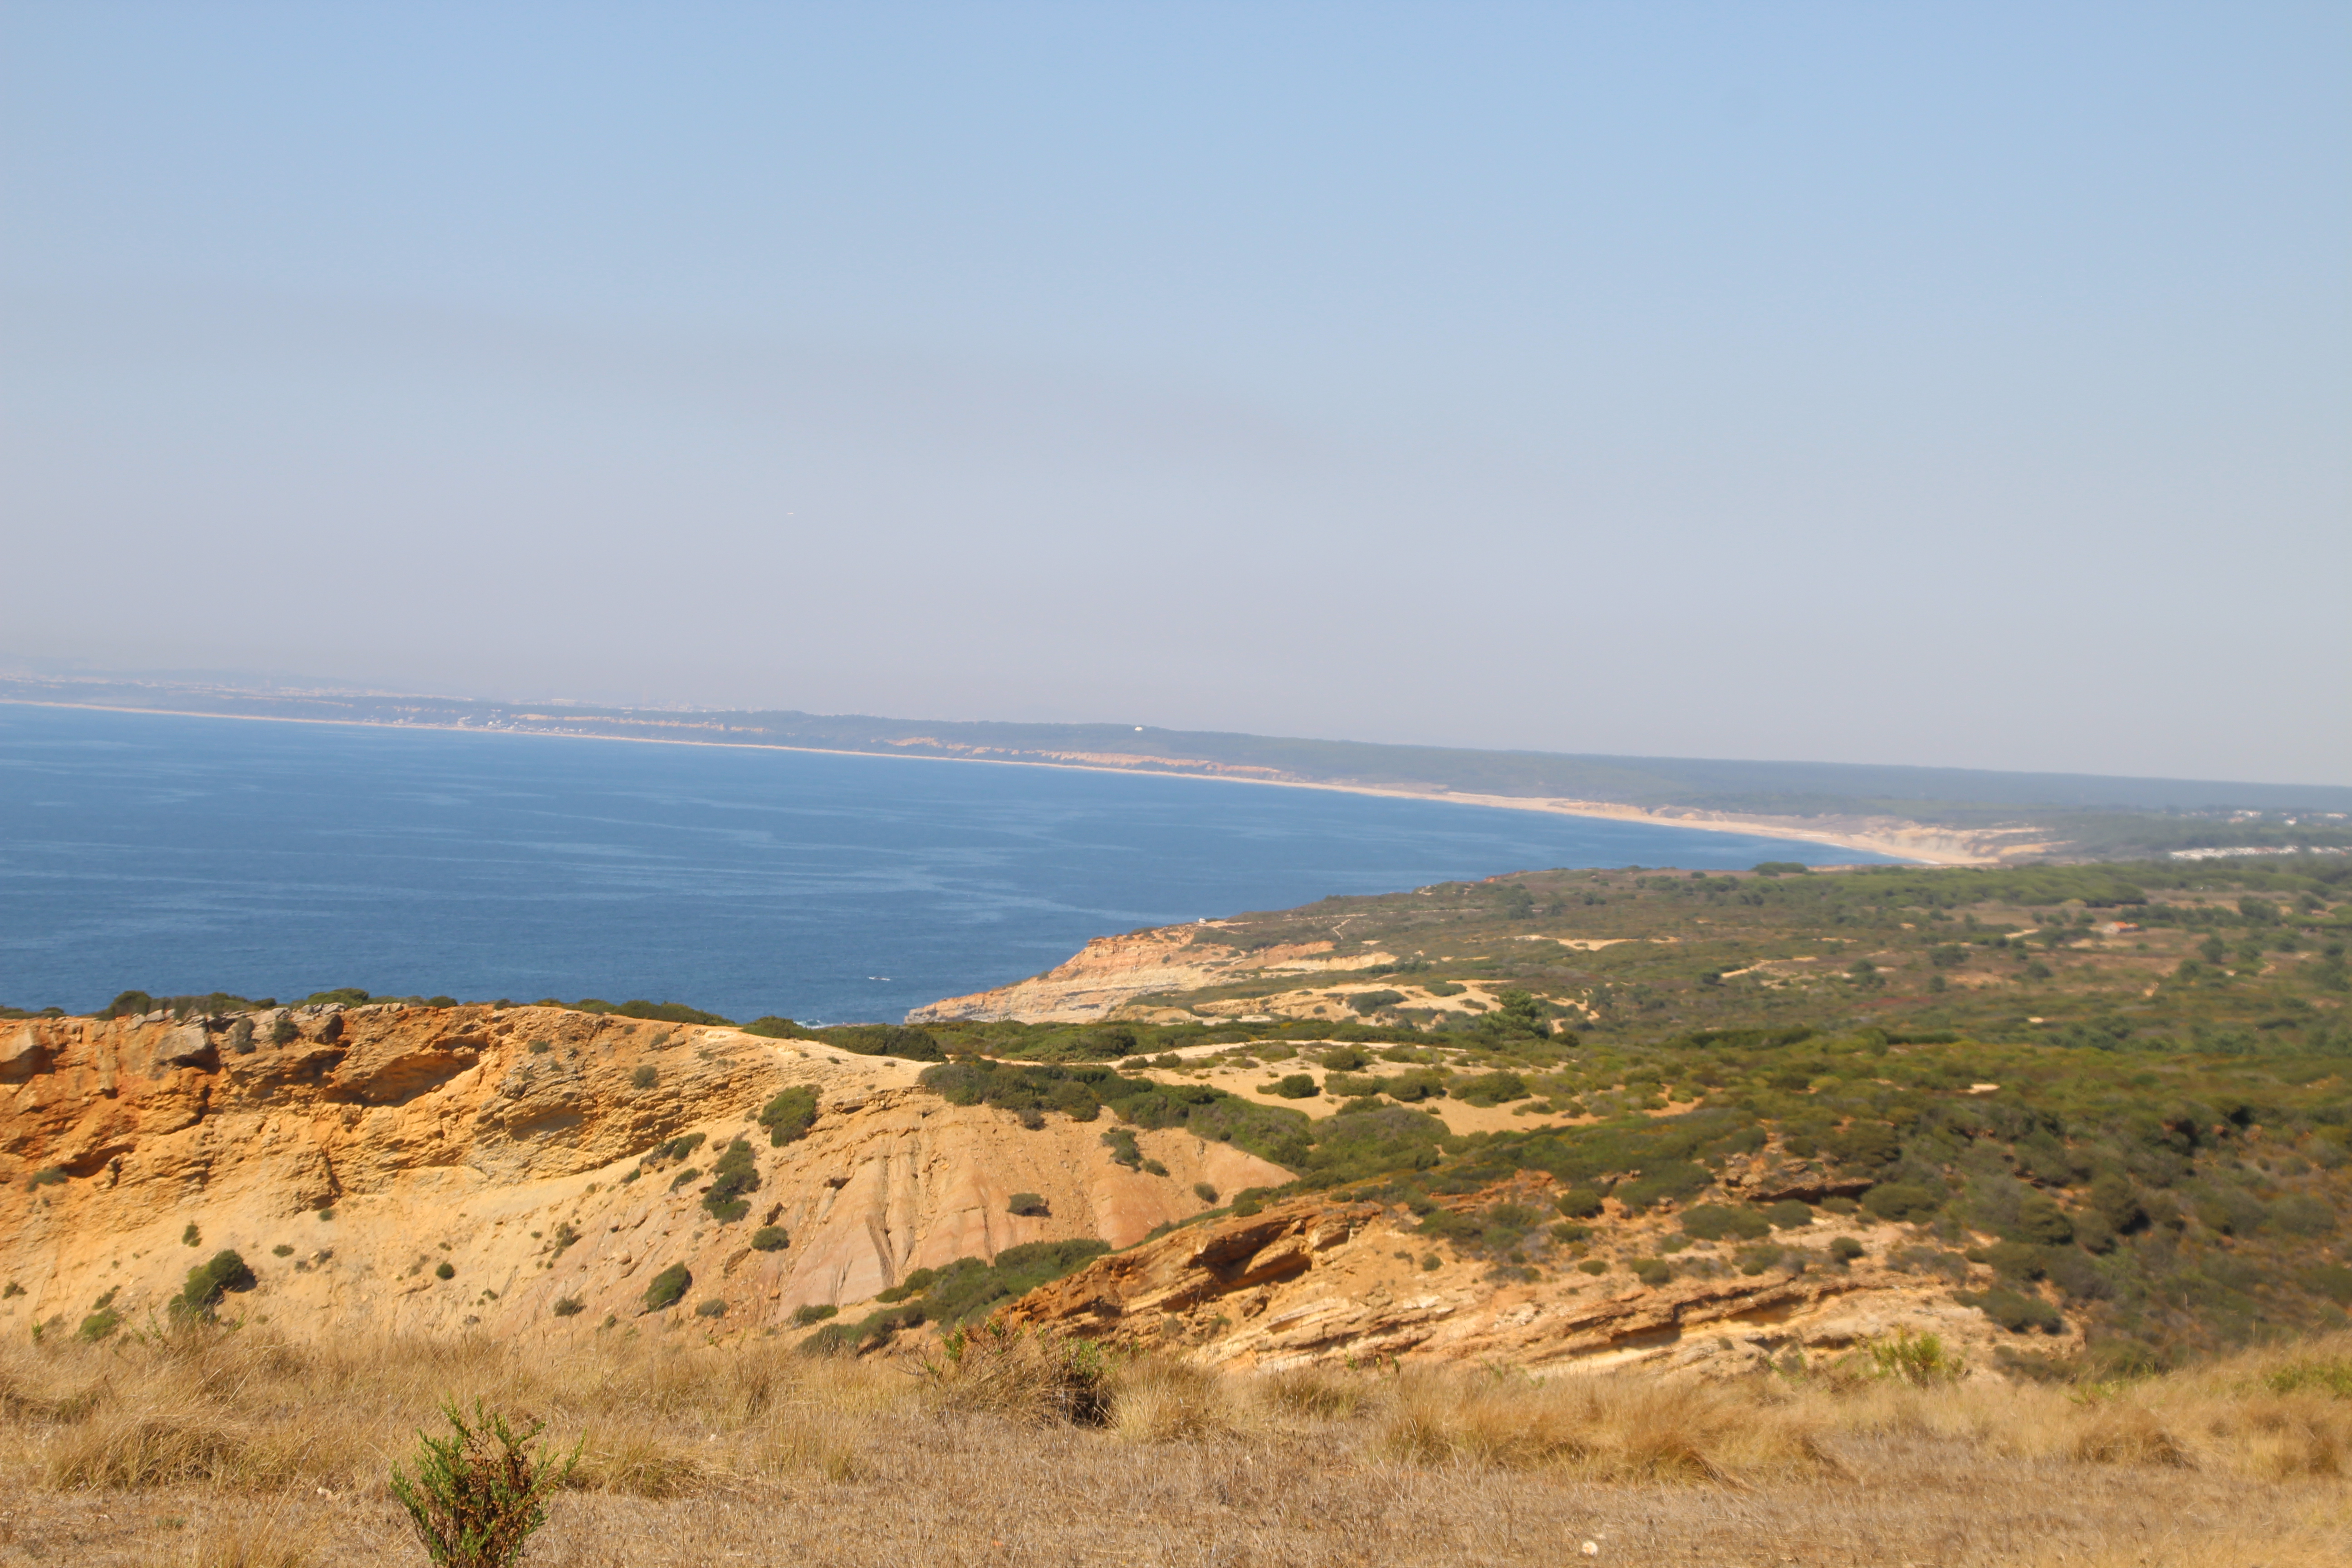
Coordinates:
<point>1958,385</point>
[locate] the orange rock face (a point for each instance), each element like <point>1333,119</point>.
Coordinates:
<point>1323,1280</point>
<point>508,1144</point>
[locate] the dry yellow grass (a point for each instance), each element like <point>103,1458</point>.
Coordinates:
<point>237,1450</point>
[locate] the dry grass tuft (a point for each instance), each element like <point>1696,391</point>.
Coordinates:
<point>1602,1428</point>
<point>1160,1399</point>
<point>1027,1377</point>
<point>2129,1435</point>
<point>1316,1392</point>
<point>264,1542</point>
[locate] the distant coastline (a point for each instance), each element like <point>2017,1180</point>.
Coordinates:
<point>1898,839</point>
<point>1932,815</point>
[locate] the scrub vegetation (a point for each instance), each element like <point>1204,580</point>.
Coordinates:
<point>2121,1087</point>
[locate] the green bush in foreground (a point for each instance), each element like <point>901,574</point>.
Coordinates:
<point>569,1307</point>
<point>477,1496</point>
<point>770,1238</point>
<point>668,1288</point>
<point>1027,1205</point>
<point>224,1271</point>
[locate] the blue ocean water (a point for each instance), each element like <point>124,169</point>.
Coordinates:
<point>179,854</point>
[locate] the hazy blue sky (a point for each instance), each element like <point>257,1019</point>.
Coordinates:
<point>1959,384</point>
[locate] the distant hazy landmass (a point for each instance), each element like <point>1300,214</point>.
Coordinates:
<point>1937,814</point>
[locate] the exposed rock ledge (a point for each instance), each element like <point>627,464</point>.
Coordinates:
<point>1320,1279</point>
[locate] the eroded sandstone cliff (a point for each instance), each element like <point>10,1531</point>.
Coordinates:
<point>349,1154</point>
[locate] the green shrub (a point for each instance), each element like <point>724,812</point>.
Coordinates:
<point>1662,1181</point>
<point>1350,1085</point>
<point>282,1249</point>
<point>1578,1203</point>
<point>1845,1248</point>
<point>100,1323</point>
<point>1205,1192</point>
<point>1594,1265</point>
<point>713,1307</point>
<point>1652,1271</point>
<point>1919,1360</point>
<point>1864,1144</point>
<point>47,1176</point>
<point>735,1173</point>
<point>691,1174</point>
<point>1715,1222</point>
<point>1124,1150</point>
<point>2040,1220</point>
<point>1373,1001</point>
<point>1789,1215</point>
<point>914,1284</point>
<point>192,1236</point>
<point>668,1288</point>
<point>790,1115</point>
<point>445,1270</point>
<point>770,1238</point>
<point>224,1271</point>
<point>813,1312</point>
<point>479,1496</point>
<point>2329,1377</point>
<point>1345,1058</point>
<point>1755,1260</point>
<point>2012,1260</point>
<point>1489,1089</point>
<point>1411,1088</point>
<point>1901,1201</point>
<point>1295,1086</point>
<point>1027,1205</point>
<point>645,1077</point>
<point>284,1031</point>
<point>2017,1312</point>
<point>2333,1280</point>
<point>568,1307</point>
<point>2298,1214</point>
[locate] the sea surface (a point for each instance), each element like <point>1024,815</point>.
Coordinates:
<point>184,855</point>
